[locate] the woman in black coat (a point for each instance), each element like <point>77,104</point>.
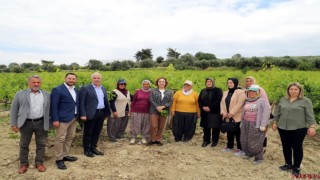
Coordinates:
<point>209,102</point>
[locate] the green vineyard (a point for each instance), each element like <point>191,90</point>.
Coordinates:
<point>274,81</point>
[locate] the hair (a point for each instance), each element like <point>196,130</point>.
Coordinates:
<point>34,76</point>
<point>212,80</point>
<point>301,93</point>
<point>94,74</point>
<point>71,74</point>
<point>147,81</point>
<point>166,81</point>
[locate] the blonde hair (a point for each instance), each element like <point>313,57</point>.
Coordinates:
<point>301,93</point>
<point>96,74</point>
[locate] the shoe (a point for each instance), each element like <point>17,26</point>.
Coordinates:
<point>256,162</point>
<point>143,141</point>
<point>150,143</point>
<point>69,158</point>
<point>238,152</point>
<point>23,169</point>
<point>296,171</point>
<point>158,143</point>
<point>96,152</point>
<point>226,150</point>
<point>60,164</point>
<point>132,141</point>
<point>88,153</point>
<point>41,167</point>
<point>205,144</point>
<point>285,167</point>
<point>113,140</point>
<point>245,156</point>
<point>214,144</point>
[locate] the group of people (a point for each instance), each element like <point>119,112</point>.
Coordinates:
<point>249,109</point>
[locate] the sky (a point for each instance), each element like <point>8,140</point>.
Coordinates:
<point>67,31</point>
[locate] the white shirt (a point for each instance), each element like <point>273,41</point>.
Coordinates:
<point>36,105</point>
<point>73,94</point>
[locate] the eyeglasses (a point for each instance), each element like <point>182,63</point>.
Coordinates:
<point>122,84</point>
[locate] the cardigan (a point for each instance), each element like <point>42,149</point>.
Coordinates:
<point>263,112</point>
<point>156,100</point>
<point>236,103</point>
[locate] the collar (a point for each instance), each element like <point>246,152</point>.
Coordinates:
<point>68,87</point>
<point>96,86</point>
<point>40,91</point>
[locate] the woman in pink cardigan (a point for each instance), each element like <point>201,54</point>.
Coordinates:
<point>231,107</point>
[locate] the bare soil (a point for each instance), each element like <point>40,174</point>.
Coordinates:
<point>170,161</point>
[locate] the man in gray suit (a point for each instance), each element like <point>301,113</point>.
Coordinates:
<point>30,114</point>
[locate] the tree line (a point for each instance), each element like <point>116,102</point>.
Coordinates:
<point>201,60</point>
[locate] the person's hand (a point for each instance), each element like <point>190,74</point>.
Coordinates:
<point>262,128</point>
<point>83,118</point>
<point>159,108</point>
<point>311,131</point>
<point>274,127</point>
<point>224,115</point>
<point>56,124</point>
<point>115,114</point>
<point>15,129</point>
<point>172,113</point>
<point>229,115</point>
<point>206,109</point>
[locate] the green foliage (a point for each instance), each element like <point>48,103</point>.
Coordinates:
<point>148,63</point>
<point>172,53</point>
<point>143,54</point>
<point>205,56</point>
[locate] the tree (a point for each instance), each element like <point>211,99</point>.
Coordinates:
<point>48,66</point>
<point>172,53</point>
<point>143,54</point>
<point>94,64</point>
<point>148,63</point>
<point>236,56</point>
<point>64,67</point>
<point>74,66</point>
<point>159,59</point>
<point>188,59</point>
<point>15,67</point>
<point>204,64</point>
<point>206,56</point>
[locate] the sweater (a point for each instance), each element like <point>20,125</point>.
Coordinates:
<point>294,115</point>
<point>183,103</point>
<point>258,109</point>
<point>140,102</point>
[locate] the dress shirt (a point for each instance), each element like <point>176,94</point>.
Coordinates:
<point>100,96</point>
<point>36,105</point>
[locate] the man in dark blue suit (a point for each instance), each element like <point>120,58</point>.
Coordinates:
<point>94,108</point>
<point>64,111</point>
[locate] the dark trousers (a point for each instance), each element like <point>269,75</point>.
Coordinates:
<point>91,131</point>
<point>117,126</point>
<point>184,125</point>
<point>41,136</point>
<point>207,135</point>
<point>292,140</point>
<point>231,135</point>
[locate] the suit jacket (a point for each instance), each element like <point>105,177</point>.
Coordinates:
<point>20,108</point>
<point>155,100</point>
<point>89,101</point>
<point>63,104</point>
<point>236,104</point>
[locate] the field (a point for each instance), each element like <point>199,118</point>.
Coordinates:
<point>173,160</point>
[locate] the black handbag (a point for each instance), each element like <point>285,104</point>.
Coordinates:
<point>228,126</point>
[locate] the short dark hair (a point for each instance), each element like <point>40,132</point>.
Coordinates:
<point>166,81</point>
<point>71,74</point>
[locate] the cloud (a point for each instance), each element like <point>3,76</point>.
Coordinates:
<point>79,30</point>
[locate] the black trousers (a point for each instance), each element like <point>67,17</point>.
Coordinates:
<point>91,131</point>
<point>207,135</point>
<point>184,125</point>
<point>292,141</point>
<point>231,135</point>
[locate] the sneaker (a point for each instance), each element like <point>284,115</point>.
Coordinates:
<point>285,167</point>
<point>226,150</point>
<point>132,141</point>
<point>143,141</point>
<point>296,171</point>
<point>150,143</point>
<point>238,152</point>
<point>256,162</point>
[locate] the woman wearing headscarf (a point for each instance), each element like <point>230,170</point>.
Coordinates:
<point>160,101</point>
<point>255,119</point>
<point>185,111</point>
<point>140,123</point>
<point>231,107</point>
<point>250,80</point>
<point>209,103</point>
<point>119,104</point>
<point>294,118</point>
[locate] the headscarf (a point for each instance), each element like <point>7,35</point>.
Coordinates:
<point>252,78</point>
<point>123,91</point>
<point>213,83</point>
<point>235,82</point>
<point>142,85</point>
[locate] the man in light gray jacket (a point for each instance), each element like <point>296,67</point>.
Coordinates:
<point>30,114</point>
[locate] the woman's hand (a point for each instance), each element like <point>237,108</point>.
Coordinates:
<point>159,108</point>
<point>311,131</point>
<point>274,127</point>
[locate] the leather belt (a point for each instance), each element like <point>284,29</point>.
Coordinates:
<point>99,110</point>
<point>37,119</point>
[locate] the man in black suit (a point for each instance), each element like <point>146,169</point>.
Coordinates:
<point>94,108</point>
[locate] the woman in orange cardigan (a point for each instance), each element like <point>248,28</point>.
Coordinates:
<point>231,107</point>
<point>185,111</point>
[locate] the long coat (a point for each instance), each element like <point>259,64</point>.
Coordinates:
<point>211,98</point>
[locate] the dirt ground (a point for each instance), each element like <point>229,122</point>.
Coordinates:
<point>170,161</point>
